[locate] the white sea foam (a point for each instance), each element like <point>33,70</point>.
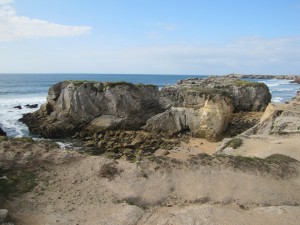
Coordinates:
<point>10,115</point>
<point>284,89</point>
<point>277,99</point>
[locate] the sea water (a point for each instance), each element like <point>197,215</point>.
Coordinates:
<point>22,89</point>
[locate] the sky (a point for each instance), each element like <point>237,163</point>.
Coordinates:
<point>190,37</point>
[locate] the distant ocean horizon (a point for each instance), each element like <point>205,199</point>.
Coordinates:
<point>22,89</point>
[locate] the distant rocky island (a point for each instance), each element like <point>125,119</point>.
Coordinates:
<point>255,76</point>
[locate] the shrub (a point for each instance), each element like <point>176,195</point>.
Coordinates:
<point>234,143</point>
<point>109,171</point>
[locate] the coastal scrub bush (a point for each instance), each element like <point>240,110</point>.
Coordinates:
<point>3,138</point>
<point>233,143</point>
<point>247,83</point>
<point>17,183</point>
<point>109,171</point>
<point>25,139</point>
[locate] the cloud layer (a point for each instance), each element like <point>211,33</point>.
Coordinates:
<point>246,55</point>
<point>15,27</point>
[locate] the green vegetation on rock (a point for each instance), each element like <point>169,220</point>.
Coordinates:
<point>239,82</point>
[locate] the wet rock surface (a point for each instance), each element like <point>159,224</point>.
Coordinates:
<point>2,132</point>
<point>130,145</point>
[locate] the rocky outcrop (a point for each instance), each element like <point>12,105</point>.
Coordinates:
<point>202,106</point>
<point>254,76</point>
<point>296,80</point>
<point>206,113</point>
<point>279,119</point>
<point>246,96</point>
<point>78,105</point>
<point>205,106</point>
<point>130,145</point>
<point>33,106</point>
<point>2,132</point>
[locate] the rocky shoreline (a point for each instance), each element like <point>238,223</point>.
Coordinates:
<point>251,177</point>
<point>123,119</point>
<point>256,76</point>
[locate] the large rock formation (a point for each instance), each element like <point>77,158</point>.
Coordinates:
<point>246,96</point>
<point>78,105</point>
<point>205,106</point>
<point>279,119</point>
<point>202,106</point>
<point>206,113</point>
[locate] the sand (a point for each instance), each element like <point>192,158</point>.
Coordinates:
<point>76,190</point>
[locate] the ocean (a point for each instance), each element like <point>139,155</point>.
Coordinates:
<point>22,89</point>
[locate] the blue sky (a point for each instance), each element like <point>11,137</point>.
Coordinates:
<point>150,36</point>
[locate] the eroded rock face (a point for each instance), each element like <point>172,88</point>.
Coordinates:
<point>246,96</point>
<point>202,106</point>
<point>79,105</point>
<point>206,113</point>
<point>279,119</point>
<point>205,106</point>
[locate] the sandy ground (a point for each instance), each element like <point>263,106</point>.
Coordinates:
<point>263,147</point>
<point>79,190</point>
<point>191,148</point>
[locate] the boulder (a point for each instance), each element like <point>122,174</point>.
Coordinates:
<point>33,106</point>
<point>3,215</point>
<point>296,80</point>
<point>2,132</point>
<point>279,119</point>
<point>92,106</point>
<point>17,107</point>
<point>204,112</point>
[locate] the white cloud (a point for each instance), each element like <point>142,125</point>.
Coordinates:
<point>247,55</point>
<point>15,27</point>
<point>4,2</point>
